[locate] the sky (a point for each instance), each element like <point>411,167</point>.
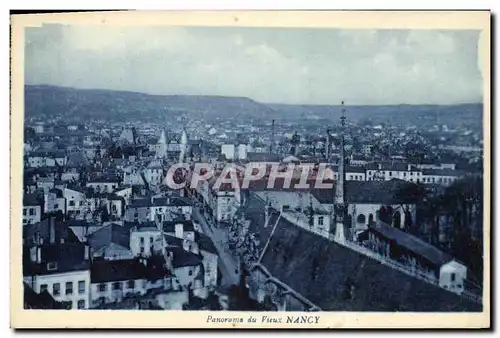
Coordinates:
<point>271,65</point>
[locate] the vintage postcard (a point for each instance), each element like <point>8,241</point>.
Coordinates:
<point>250,170</point>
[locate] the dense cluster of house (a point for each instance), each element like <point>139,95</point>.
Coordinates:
<point>102,232</point>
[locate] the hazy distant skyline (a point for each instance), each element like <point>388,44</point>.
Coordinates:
<point>270,65</point>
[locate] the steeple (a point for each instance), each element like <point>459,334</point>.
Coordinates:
<point>327,144</point>
<point>163,137</point>
<point>340,207</point>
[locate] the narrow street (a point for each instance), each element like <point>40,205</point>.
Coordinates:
<point>228,264</point>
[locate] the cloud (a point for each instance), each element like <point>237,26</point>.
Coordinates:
<point>271,65</point>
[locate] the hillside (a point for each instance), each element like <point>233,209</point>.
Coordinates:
<point>418,115</point>
<point>125,106</point>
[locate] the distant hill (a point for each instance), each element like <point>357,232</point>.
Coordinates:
<point>123,105</point>
<point>452,115</point>
<point>96,103</point>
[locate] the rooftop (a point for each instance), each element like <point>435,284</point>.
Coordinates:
<point>336,278</point>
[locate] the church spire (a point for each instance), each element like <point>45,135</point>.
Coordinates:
<point>340,208</point>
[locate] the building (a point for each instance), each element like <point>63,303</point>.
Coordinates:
<point>110,242</point>
<point>356,282</point>
<point>56,262</point>
<point>103,184</point>
<point>443,177</point>
<point>418,256</point>
<point>32,209</point>
<point>143,238</point>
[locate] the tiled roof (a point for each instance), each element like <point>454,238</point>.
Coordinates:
<point>112,233</point>
<point>169,226</point>
<point>336,278</point>
<point>103,271</point>
<point>42,229</point>
<point>412,243</point>
<point>183,258</point>
<point>32,200</point>
<point>140,203</point>
<point>443,172</point>
<point>68,256</point>
<point>205,243</point>
<point>377,192</point>
<point>173,241</point>
<point>263,157</point>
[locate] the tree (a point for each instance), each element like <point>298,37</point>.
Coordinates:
<point>385,214</point>
<point>408,194</point>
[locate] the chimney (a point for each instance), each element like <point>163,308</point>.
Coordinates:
<point>179,230</point>
<point>52,230</point>
<point>86,252</point>
<point>36,254</point>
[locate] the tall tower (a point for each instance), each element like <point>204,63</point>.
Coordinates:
<point>339,203</point>
<point>271,146</point>
<point>161,147</point>
<point>183,146</point>
<point>327,144</point>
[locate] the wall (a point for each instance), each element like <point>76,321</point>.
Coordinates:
<point>210,268</point>
<point>79,201</point>
<point>62,278</point>
<point>108,187</point>
<point>111,295</point>
<point>183,278</point>
<point>32,214</point>
<point>445,276</point>
<point>135,241</point>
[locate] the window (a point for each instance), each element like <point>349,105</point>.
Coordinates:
<point>24,212</point>
<point>390,173</point>
<point>81,203</point>
<point>141,240</point>
<point>151,240</point>
<point>56,289</point>
<point>452,276</point>
<point>142,249</point>
<point>404,174</point>
<point>43,288</point>
<point>32,211</point>
<point>81,287</point>
<point>71,203</point>
<point>131,284</point>
<point>190,272</point>
<point>103,287</point>
<point>117,286</point>
<point>320,220</point>
<point>56,206</point>
<point>69,288</point>
<point>51,266</point>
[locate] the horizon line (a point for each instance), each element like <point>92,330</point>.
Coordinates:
<point>257,101</point>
